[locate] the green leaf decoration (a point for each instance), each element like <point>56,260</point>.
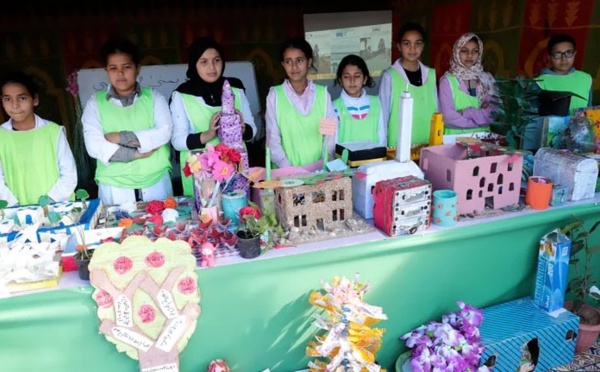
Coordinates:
<point>44,200</point>
<point>54,217</point>
<point>82,194</point>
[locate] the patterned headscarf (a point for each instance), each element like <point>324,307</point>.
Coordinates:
<point>485,81</point>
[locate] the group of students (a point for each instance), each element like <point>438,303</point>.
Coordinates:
<point>127,128</point>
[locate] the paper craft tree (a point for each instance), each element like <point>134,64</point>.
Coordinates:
<point>230,133</point>
<point>349,343</point>
<point>147,298</point>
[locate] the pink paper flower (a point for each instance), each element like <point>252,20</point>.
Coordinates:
<point>155,259</point>
<point>122,265</point>
<point>187,285</point>
<point>103,299</point>
<point>147,313</point>
<point>222,171</point>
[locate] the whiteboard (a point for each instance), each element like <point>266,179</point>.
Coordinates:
<point>165,78</point>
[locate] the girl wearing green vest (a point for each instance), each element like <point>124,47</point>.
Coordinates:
<point>127,129</point>
<point>359,114</point>
<point>409,72</point>
<point>465,91</point>
<point>196,104</point>
<point>295,110</point>
<point>562,76</point>
<point>35,157</point>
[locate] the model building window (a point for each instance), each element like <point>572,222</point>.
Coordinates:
<point>334,215</point>
<point>469,194</point>
<point>299,199</point>
<point>341,214</point>
<point>491,187</point>
<point>511,166</point>
<point>304,223</point>
<point>493,167</point>
<point>511,187</point>
<point>297,221</point>
<point>318,196</point>
<point>334,194</point>
<point>476,171</point>
<point>482,182</point>
<point>500,179</point>
<point>341,194</point>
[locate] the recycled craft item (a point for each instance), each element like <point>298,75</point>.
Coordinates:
<point>350,343</point>
<point>230,133</point>
<point>147,298</point>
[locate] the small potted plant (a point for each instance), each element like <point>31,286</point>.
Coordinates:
<point>582,286</point>
<point>453,344</point>
<point>256,228</point>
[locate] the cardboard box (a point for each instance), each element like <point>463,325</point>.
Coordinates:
<point>577,173</point>
<point>367,175</point>
<point>552,271</point>
<point>518,332</point>
<point>402,205</point>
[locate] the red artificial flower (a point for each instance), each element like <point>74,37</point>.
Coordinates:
<point>155,206</point>
<point>155,259</point>
<point>186,170</point>
<point>156,219</point>
<point>249,211</point>
<point>222,149</point>
<point>122,264</point>
<point>235,156</point>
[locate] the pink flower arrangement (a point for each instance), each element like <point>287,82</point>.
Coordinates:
<point>218,162</point>
<point>450,346</point>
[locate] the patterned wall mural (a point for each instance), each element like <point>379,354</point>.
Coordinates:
<point>53,42</point>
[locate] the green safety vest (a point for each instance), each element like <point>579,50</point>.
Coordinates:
<point>199,114</point>
<point>425,105</point>
<point>29,161</point>
<point>577,82</point>
<point>352,129</point>
<point>462,101</point>
<point>139,173</point>
<point>300,137</point>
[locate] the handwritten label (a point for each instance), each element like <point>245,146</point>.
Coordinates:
<point>166,304</point>
<point>171,334</point>
<point>163,368</point>
<point>123,312</point>
<point>132,338</point>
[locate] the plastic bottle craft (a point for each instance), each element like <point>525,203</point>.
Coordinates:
<point>230,133</point>
<point>349,344</point>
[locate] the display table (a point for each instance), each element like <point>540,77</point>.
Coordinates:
<point>256,313</point>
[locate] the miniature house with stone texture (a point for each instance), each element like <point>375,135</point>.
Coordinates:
<point>480,175</point>
<point>320,205</point>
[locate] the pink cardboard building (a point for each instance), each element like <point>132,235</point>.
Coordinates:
<point>478,175</point>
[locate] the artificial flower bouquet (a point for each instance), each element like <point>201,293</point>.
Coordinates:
<point>213,170</point>
<point>452,345</point>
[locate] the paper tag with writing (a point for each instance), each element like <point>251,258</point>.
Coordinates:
<point>123,315</point>
<point>164,368</point>
<point>170,335</point>
<point>166,304</point>
<point>132,338</point>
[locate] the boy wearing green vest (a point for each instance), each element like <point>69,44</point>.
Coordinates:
<point>466,90</point>
<point>196,104</point>
<point>127,129</point>
<point>359,114</point>
<point>409,72</point>
<point>295,110</point>
<point>35,157</point>
<point>562,76</point>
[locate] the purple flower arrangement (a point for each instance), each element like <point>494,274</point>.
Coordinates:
<point>454,345</point>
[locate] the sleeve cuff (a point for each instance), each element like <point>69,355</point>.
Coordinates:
<point>193,141</point>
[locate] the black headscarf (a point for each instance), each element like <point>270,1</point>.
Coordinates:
<point>210,92</point>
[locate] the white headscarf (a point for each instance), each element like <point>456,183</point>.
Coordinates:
<point>485,81</point>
